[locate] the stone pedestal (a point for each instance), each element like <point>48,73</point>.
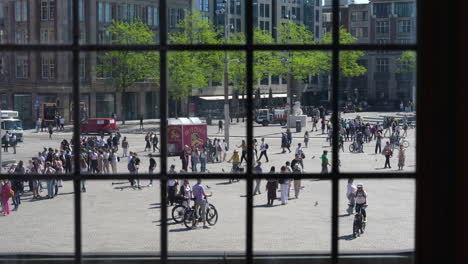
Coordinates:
<point>293,118</point>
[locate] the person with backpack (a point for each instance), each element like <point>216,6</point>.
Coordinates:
<point>5,194</point>
<point>148,141</point>
<point>360,197</point>
<point>263,150</point>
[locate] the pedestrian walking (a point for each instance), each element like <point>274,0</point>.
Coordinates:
<point>51,131</point>
<point>289,137</point>
<point>203,156</point>
<point>284,184</point>
<point>258,170</point>
<point>378,142</point>
<point>325,162</point>
<point>271,187</point>
<point>141,122</point>
<point>6,142</point>
<point>5,194</point>
<point>113,159</point>
<point>151,168</point>
<point>125,146</point>
<point>195,158</point>
<point>220,126</point>
<point>13,142</point>
<point>306,139</point>
<point>263,150</point>
<point>38,124</point>
<point>401,158</point>
<point>297,180</point>
<point>387,152</point>
<point>155,141</point>
<point>243,147</point>
<point>148,142</point>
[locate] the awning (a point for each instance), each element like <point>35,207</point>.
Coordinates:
<point>212,98</point>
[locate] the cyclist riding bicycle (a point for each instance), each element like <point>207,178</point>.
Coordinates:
<point>360,197</point>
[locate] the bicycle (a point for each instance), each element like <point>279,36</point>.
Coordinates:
<point>396,141</point>
<point>355,147</point>
<point>190,221</point>
<point>358,225</point>
<point>178,211</point>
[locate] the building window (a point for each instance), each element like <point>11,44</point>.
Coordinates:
<point>2,18</point>
<point>47,36</point>
<point>100,12</point>
<point>382,10</point>
<point>82,68</point>
<point>108,13</point>
<point>267,26</point>
<point>262,10</point>
<point>404,41</point>
<point>21,10</point>
<point>238,25</point>
<point>317,16</point>
<point>232,7</point>
<point>274,79</point>
<point>283,12</point>
<point>48,68</point>
<point>405,9</point>
<point>317,31</point>
<point>317,2</point>
<point>238,7</point>
<point>267,10</point>
<point>404,26</point>
<point>21,37</point>
<point>156,16</point>
<point>359,16</point>
<point>81,10</point>
<point>149,16</point>
<point>172,17</point>
<point>382,27</point>
<point>360,32</point>
<point>22,67</point>
<point>381,65</point>
<point>47,10</point>
<point>203,5</point>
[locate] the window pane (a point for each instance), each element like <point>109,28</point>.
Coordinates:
<point>292,22</point>
<point>219,24</point>
<point>31,107</point>
<point>225,218</point>
<point>377,93</point>
<point>390,225</point>
<point>205,134</point>
<point>106,219</point>
<point>120,102</point>
<point>127,22</point>
<point>393,21</point>
<point>282,225</point>
<point>293,142</point>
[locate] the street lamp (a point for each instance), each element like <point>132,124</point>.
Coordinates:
<point>227,28</point>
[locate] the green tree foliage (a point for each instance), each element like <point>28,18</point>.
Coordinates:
<point>125,68</point>
<point>349,66</point>
<point>406,62</point>
<point>187,69</point>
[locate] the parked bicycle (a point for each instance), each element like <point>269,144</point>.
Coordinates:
<point>356,147</point>
<point>396,141</point>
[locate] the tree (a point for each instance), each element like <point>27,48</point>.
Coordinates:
<point>125,68</point>
<point>348,60</point>
<point>187,69</point>
<point>406,62</point>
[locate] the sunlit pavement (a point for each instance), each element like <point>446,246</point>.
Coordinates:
<point>118,218</point>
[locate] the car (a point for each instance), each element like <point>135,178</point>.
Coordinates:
<point>98,126</point>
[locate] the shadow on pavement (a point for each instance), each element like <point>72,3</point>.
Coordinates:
<point>265,205</point>
<point>346,237</point>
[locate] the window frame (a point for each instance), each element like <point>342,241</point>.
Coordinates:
<point>249,47</point>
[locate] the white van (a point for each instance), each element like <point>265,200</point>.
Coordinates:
<point>10,123</point>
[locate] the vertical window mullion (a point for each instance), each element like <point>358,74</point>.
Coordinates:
<point>163,125</point>
<point>335,157</point>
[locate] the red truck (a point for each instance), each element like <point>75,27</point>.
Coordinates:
<point>98,126</point>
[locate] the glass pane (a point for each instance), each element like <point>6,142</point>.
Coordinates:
<point>206,22</point>
<point>299,79</point>
<point>224,229</point>
<point>119,22</point>
<point>390,225</point>
<point>205,134</point>
<point>377,98</point>
<point>109,226</point>
<point>119,111</point>
<point>18,17</point>
<point>292,215</point>
<point>378,22</point>
<point>292,22</point>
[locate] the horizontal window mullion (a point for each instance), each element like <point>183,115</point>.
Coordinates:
<point>259,47</point>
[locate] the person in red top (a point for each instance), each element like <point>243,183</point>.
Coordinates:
<point>5,189</point>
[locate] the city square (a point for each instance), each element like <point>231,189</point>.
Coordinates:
<point>117,217</point>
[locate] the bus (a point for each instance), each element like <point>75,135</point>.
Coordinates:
<point>11,124</point>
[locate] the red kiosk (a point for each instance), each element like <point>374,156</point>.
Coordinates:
<point>185,131</point>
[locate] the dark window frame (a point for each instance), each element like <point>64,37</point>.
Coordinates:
<point>435,240</point>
